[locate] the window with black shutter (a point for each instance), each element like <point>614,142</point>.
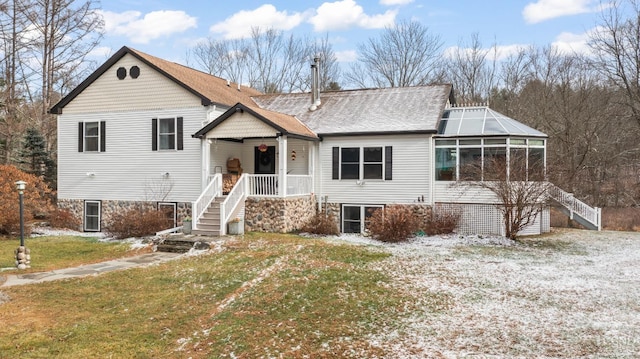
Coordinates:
<point>167,134</point>
<point>92,136</point>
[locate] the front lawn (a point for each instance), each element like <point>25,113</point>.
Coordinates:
<point>56,252</point>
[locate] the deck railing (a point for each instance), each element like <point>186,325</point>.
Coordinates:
<point>213,189</point>
<point>592,215</point>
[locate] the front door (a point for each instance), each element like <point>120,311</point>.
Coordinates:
<point>265,161</point>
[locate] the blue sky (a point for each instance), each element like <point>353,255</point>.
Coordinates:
<point>167,28</point>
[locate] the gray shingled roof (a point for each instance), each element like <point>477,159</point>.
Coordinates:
<point>399,109</point>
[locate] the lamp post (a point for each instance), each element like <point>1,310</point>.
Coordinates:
<point>23,257</point>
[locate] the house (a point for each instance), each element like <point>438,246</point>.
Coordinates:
<point>143,132</point>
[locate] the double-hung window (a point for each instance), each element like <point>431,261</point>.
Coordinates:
<point>167,133</point>
<point>92,216</point>
<point>362,163</point>
<point>92,136</point>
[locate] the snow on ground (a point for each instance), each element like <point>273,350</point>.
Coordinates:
<point>135,243</point>
<point>570,294</point>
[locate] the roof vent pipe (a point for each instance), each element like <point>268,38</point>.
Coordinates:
<point>315,84</point>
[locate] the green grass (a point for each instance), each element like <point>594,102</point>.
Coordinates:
<point>264,295</point>
<point>48,253</point>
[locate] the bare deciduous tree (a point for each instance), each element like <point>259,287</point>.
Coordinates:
<point>471,70</point>
<point>616,45</point>
<point>268,61</point>
<point>405,54</point>
<point>520,201</point>
<point>62,33</point>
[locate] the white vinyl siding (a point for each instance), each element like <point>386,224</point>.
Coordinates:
<point>411,168</point>
<point>130,170</point>
<point>131,94</point>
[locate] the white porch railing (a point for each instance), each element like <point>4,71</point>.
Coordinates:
<point>593,215</point>
<point>267,185</point>
<point>229,206</point>
<point>213,189</point>
<point>248,185</point>
<point>263,185</point>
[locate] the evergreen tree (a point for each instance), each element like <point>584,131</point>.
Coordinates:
<point>35,159</point>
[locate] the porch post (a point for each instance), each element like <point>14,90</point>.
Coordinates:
<point>282,161</point>
<point>206,165</point>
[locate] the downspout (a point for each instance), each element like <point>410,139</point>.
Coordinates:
<point>433,171</point>
<point>319,177</point>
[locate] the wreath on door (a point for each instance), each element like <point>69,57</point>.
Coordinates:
<point>265,159</point>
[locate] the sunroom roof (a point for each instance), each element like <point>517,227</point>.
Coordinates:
<point>482,121</point>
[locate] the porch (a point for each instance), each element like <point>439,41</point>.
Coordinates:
<point>288,203</point>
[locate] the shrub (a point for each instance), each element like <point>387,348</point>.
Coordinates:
<point>322,223</point>
<point>62,218</point>
<point>136,223</point>
<point>36,199</point>
<point>621,219</point>
<point>441,221</point>
<point>393,224</point>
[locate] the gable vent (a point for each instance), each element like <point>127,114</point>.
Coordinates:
<point>121,73</point>
<point>134,72</point>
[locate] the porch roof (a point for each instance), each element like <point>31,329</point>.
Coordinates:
<point>282,123</point>
<point>368,111</point>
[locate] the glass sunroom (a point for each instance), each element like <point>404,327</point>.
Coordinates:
<point>473,137</point>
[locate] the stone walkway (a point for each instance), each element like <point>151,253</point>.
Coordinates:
<point>89,269</point>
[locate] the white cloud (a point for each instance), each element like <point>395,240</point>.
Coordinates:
<point>548,9</point>
<point>347,56</point>
<point>569,43</point>
<point>266,16</point>
<point>102,52</point>
<point>153,25</point>
<point>395,2</point>
<point>498,53</point>
<point>341,15</point>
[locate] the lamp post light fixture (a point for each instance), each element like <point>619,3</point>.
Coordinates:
<point>23,257</point>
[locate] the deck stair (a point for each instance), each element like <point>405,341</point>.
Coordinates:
<point>209,223</point>
<point>589,217</point>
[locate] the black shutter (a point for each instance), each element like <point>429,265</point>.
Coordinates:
<point>387,163</point>
<point>179,133</point>
<point>103,136</point>
<point>154,134</point>
<point>80,137</point>
<point>335,171</point>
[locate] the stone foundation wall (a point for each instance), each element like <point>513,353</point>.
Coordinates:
<point>278,215</point>
<point>76,207</point>
<point>334,210</point>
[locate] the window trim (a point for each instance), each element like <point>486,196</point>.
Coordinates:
<point>174,206</point>
<point>100,137</point>
<point>485,144</point>
<point>386,163</point>
<point>178,133</point>
<point>85,216</point>
<point>363,214</point>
